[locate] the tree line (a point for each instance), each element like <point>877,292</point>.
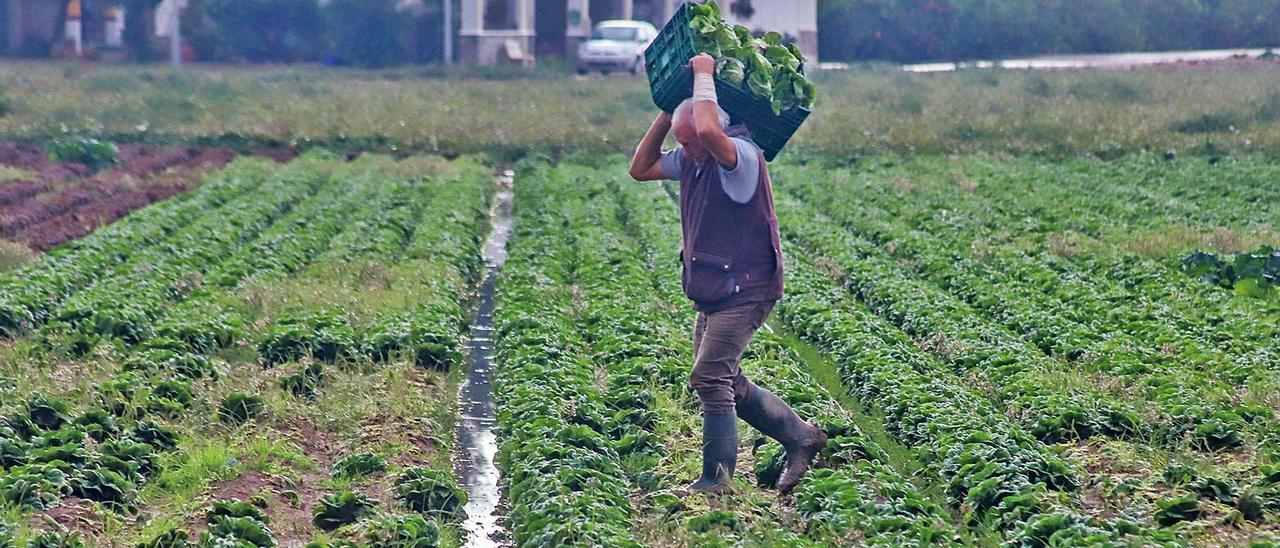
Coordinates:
<point>952,30</point>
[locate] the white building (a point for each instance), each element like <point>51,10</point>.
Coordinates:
<point>522,30</point>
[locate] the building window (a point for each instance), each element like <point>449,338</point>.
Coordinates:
<point>742,8</point>
<point>501,14</point>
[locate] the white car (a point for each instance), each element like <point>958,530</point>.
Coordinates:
<point>616,45</point>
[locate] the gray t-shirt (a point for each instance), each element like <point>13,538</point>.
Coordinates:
<point>739,183</point>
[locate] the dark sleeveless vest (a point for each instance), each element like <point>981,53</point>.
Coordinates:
<point>732,255</point>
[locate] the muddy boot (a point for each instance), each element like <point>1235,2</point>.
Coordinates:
<point>719,455</point>
<point>774,418</point>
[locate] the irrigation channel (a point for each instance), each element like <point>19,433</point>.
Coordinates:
<point>478,414</point>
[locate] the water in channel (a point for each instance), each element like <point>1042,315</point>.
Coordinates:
<point>478,414</point>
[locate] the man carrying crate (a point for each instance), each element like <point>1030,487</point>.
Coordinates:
<point>732,272</point>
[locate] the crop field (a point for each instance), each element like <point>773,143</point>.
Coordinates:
<point>1009,339</point>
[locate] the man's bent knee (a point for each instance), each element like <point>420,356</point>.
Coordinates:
<point>715,385</point>
<point>717,400</point>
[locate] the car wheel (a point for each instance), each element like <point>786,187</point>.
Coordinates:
<point>604,72</point>
<point>582,72</point>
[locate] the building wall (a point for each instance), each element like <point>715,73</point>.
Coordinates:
<point>478,44</point>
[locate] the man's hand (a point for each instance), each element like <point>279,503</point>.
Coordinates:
<point>703,64</point>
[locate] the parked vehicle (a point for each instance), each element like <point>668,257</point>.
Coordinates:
<point>616,45</point>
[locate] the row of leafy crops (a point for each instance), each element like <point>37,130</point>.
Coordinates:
<point>112,447</point>
<point>997,472</point>
<point>1189,202</point>
<point>585,352</point>
<point>1019,374</point>
<point>166,297</point>
<point>854,487</point>
<point>29,295</point>
<point>1097,325</point>
<point>563,473</point>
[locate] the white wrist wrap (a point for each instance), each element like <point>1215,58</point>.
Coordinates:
<point>704,88</point>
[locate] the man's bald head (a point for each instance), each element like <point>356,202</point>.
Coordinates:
<point>683,115</point>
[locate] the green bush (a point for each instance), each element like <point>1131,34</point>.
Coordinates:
<point>83,150</point>
<point>230,30</point>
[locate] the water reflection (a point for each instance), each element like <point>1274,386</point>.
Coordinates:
<point>479,474</point>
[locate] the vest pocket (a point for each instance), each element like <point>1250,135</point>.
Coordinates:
<point>709,278</point>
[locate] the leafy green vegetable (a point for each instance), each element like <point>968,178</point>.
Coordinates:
<point>35,486</point>
<point>305,383</point>
<point>731,70</point>
<point>241,532</point>
<point>765,66</point>
<point>236,509</point>
<point>47,412</point>
<point>56,540</point>
<point>1255,275</point>
<point>412,531</point>
<point>1176,509</point>
<point>325,335</point>
<point>338,509</point>
<point>105,486</point>
<point>172,538</point>
<point>359,464</point>
<point>238,408</point>
<point>422,489</point>
<point>84,150</point>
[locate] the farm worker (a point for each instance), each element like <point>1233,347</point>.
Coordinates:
<point>732,271</point>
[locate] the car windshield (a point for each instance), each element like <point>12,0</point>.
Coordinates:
<point>614,33</point>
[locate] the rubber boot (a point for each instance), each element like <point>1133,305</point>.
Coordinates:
<point>719,455</point>
<point>774,418</point>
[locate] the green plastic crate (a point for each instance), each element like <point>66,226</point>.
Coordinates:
<point>670,82</point>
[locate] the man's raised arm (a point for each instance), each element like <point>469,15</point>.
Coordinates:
<point>706,113</point>
<point>646,165</point>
